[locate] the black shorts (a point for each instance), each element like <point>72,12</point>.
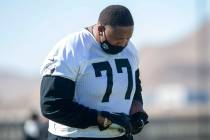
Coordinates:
<point>54,137</point>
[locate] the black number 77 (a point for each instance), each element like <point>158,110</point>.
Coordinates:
<point>105,66</point>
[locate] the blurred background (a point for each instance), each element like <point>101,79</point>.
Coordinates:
<point>173,39</point>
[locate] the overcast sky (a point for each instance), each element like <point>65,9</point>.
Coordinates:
<point>29,29</point>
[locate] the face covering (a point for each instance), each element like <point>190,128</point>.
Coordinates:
<point>111,49</point>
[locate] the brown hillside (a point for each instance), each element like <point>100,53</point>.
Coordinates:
<point>179,62</point>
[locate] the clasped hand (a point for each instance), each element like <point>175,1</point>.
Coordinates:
<point>132,124</point>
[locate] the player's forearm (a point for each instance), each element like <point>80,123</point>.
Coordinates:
<point>75,116</point>
<point>137,94</point>
<point>136,107</point>
<point>137,104</point>
<point>57,105</point>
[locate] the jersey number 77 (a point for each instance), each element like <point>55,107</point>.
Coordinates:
<point>105,66</point>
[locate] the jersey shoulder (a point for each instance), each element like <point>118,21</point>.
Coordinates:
<point>132,49</point>
<point>71,47</point>
<point>65,57</point>
<point>133,53</point>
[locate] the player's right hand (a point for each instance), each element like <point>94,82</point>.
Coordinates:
<point>138,121</point>
<point>120,119</point>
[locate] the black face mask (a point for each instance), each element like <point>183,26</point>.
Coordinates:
<point>111,49</point>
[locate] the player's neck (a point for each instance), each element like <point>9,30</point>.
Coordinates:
<point>95,32</point>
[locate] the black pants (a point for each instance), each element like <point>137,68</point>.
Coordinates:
<point>54,137</point>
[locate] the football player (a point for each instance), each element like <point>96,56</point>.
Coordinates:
<point>90,87</point>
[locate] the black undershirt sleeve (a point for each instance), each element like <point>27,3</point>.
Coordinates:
<point>57,103</point>
<point>137,95</point>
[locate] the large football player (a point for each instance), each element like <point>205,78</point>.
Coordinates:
<point>90,87</point>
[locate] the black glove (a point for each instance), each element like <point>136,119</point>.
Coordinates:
<point>138,121</point>
<point>118,118</point>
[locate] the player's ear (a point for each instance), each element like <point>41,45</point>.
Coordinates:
<point>101,29</point>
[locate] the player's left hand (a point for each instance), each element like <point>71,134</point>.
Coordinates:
<point>120,119</point>
<point>138,121</point>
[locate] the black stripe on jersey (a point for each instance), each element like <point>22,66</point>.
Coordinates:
<point>137,95</point>
<point>57,103</point>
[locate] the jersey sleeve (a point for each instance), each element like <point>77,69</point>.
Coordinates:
<point>61,61</point>
<point>135,55</point>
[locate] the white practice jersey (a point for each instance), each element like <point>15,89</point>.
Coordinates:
<point>103,81</point>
